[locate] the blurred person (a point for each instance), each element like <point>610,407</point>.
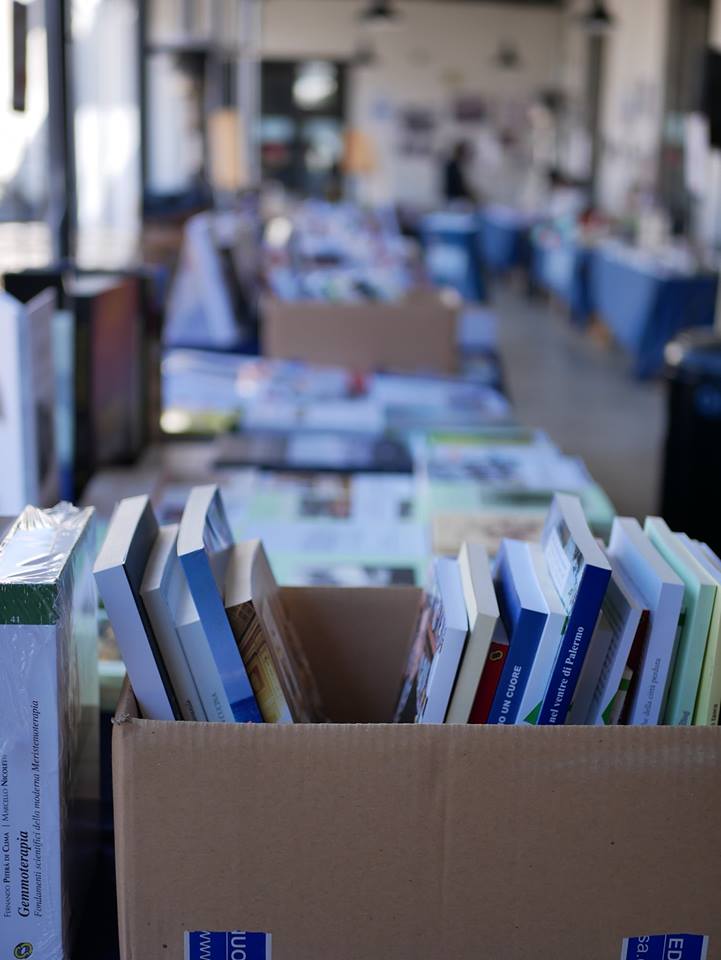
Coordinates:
<point>455,178</point>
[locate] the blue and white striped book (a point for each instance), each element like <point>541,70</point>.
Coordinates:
<point>205,543</point>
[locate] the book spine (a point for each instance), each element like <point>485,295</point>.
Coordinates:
<point>689,661</point>
<point>232,670</point>
<point>214,699</point>
<point>512,682</point>
<point>574,646</point>
<point>497,656</point>
<point>173,654</point>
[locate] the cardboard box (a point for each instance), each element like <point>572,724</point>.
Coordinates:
<point>359,841</point>
<point>417,334</point>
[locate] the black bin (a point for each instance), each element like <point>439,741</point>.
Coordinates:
<point>691,498</point>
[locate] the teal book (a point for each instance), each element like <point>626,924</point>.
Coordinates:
<point>698,601</point>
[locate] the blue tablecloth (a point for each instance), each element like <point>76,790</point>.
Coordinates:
<point>504,238</point>
<point>561,268</point>
<point>452,256</point>
<point>645,305</point>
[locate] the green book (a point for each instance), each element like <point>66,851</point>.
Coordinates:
<point>699,597</point>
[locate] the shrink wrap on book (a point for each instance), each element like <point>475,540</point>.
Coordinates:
<point>49,701</point>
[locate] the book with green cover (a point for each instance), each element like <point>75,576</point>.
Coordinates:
<point>708,701</point>
<point>699,597</point>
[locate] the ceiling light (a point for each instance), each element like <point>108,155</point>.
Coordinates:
<point>598,19</point>
<point>380,15</point>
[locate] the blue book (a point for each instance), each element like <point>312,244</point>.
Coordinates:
<point>580,573</point>
<point>524,613</point>
<point>205,543</point>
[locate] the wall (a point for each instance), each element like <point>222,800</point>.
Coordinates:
<point>632,99</point>
<point>440,51</point>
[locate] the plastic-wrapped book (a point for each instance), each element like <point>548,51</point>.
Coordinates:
<point>49,726</point>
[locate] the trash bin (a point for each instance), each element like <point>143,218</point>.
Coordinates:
<point>691,497</point>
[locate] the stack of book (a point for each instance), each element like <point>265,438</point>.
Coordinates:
<point>198,618</point>
<point>570,630</point>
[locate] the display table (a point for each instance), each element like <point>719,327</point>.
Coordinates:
<point>452,255</point>
<point>560,267</point>
<point>504,237</point>
<point>645,302</point>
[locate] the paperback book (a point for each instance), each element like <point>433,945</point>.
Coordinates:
<point>205,545</point>
<point>437,649</point>
<point>699,598</point>
<point>661,592</point>
<point>580,573</point>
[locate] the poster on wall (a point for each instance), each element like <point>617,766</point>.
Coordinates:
<point>417,129</point>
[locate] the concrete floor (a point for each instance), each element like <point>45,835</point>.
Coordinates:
<point>581,392</point>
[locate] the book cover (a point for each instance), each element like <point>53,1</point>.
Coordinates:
<point>580,573</point>
<point>278,669</point>
<point>699,598</point>
<point>205,543</point>
<point>708,701</point>
<point>195,643</point>
<point>482,610</point>
<point>662,593</point>
<point>623,613</point>
<point>547,651</point>
<point>49,718</point>
<point>495,662</point>
<point>437,648</point>
<point>524,614</point>
<point>158,591</point>
<point>119,571</point>
<point>27,403</point>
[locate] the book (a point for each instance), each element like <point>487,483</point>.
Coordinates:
<point>699,598</point>
<point>437,648</point>
<point>547,651</point>
<point>27,403</point>
<point>159,590</point>
<point>495,662</point>
<point>119,571</point>
<point>196,644</point>
<point>482,610</point>
<point>205,545</point>
<point>524,614</point>
<point>580,573</point>
<point>49,718</point>
<point>661,591</point>
<point>708,701</point>
<point>625,616</point>
<point>278,669</point>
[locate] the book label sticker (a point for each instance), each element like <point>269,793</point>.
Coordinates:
<point>669,946</point>
<point>227,945</point>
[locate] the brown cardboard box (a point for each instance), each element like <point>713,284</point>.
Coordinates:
<point>416,334</point>
<point>364,841</point>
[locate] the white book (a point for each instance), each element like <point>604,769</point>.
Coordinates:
<point>482,610</point>
<point>119,572</point>
<point>159,589</point>
<point>216,705</point>
<point>27,403</point>
<point>662,592</point>
<point>622,611</point>
<point>550,642</point>
<point>450,629</point>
